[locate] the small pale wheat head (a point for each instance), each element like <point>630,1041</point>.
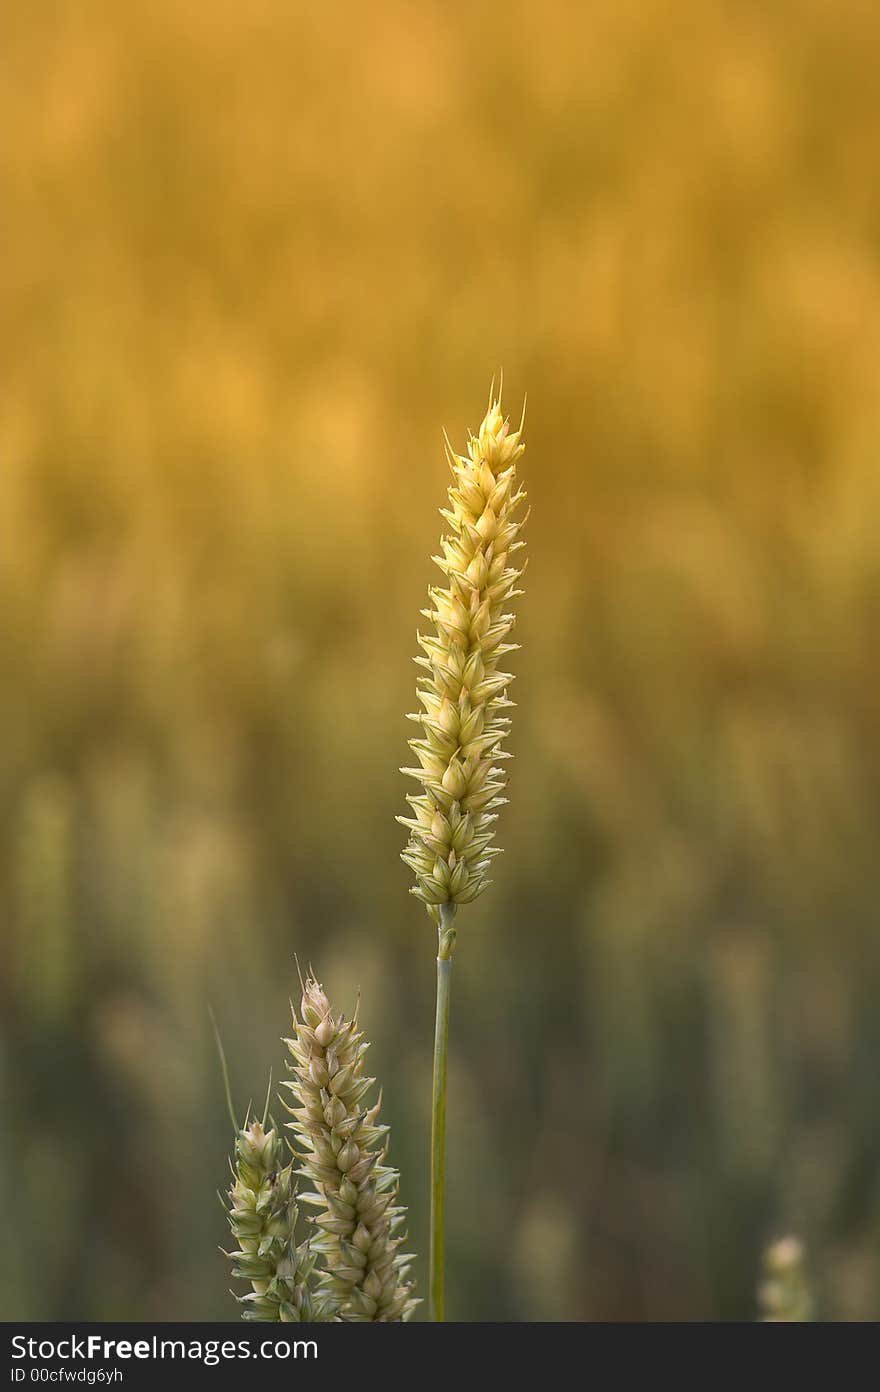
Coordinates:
<point>463,691</point>
<point>262,1215</point>
<point>784,1294</point>
<point>342,1148</point>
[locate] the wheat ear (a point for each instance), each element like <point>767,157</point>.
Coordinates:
<point>262,1216</point>
<point>463,692</point>
<point>784,1294</point>
<point>342,1150</point>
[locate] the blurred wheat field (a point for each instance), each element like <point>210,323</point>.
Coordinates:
<point>255,259</point>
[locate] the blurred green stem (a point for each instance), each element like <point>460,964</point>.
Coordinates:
<point>438,1111</point>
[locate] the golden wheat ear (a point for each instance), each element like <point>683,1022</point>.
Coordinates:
<point>463,691</point>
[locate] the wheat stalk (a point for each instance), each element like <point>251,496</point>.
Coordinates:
<point>464,721</point>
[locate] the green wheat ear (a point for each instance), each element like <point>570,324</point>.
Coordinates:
<point>342,1150</point>
<point>784,1294</point>
<point>262,1216</point>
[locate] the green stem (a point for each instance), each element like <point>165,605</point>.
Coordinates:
<point>438,1111</point>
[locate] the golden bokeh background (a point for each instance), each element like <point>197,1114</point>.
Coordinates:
<point>256,256</point>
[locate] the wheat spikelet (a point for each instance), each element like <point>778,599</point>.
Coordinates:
<point>463,692</point>
<point>342,1154</point>
<point>784,1295</point>
<point>262,1215</point>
